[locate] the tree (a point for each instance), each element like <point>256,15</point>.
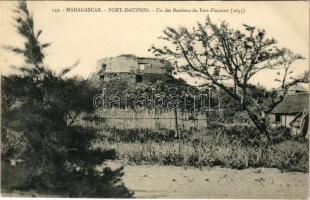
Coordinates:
<point>43,108</point>
<point>218,53</point>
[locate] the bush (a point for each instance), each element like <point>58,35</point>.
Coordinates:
<point>138,135</point>
<point>289,155</point>
<point>280,134</point>
<point>236,147</point>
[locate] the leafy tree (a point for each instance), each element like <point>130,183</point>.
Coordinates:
<point>43,108</point>
<point>217,53</point>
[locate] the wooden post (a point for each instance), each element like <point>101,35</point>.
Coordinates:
<point>177,133</point>
<point>209,99</point>
<point>176,123</point>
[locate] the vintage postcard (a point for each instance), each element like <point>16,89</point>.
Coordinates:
<point>155,99</point>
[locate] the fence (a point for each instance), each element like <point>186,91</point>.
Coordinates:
<point>149,119</point>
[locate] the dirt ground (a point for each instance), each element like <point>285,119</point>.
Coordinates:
<point>179,182</point>
<point>153,181</point>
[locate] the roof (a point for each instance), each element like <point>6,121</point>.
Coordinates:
<point>296,87</point>
<point>293,104</point>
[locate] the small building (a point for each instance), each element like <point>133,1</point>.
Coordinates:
<point>292,112</point>
<point>295,89</point>
<point>132,67</point>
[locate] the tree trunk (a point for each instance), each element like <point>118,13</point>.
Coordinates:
<point>260,125</point>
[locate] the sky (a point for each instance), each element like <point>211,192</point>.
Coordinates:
<point>88,37</point>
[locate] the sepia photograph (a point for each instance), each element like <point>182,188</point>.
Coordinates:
<point>155,99</point>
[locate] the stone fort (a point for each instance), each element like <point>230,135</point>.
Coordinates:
<point>132,67</point>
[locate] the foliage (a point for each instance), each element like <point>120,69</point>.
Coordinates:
<point>138,135</point>
<point>120,92</point>
<point>33,49</point>
<point>233,147</point>
<point>42,108</point>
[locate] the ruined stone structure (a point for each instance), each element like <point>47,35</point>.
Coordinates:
<point>132,67</point>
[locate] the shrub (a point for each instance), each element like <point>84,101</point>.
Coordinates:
<point>280,134</point>
<point>216,146</point>
<point>57,154</point>
<point>139,135</point>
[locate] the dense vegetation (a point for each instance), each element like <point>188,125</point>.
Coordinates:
<point>233,147</point>
<point>39,111</point>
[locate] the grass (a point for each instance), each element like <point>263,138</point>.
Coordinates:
<point>234,147</point>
